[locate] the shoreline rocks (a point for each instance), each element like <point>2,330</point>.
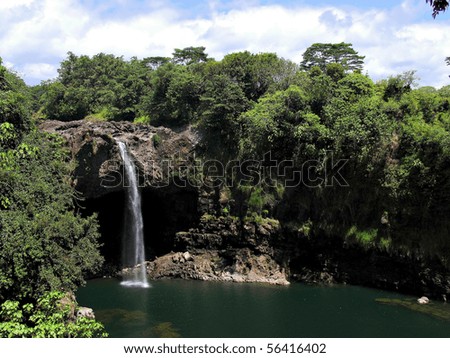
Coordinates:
<point>214,265</point>
<point>85,312</point>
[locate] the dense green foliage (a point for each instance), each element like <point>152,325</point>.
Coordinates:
<point>104,86</point>
<point>165,91</point>
<point>57,247</point>
<point>52,316</point>
<point>44,245</point>
<point>397,148</point>
<point>396,141</point>
<point>13,95</point>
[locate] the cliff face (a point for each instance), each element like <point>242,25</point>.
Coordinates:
<point>330,260</point>
<point>169,203</point>
<point>220,250</point>
<point>99,166</point>
<point>187,238</point>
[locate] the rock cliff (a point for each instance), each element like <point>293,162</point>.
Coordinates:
<point>158,152</point>
<point>220,250</point>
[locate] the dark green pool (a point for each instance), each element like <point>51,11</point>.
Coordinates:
<point>211,309</point>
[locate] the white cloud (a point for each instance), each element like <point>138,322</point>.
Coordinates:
<point>39,71</point>
<point>10,4</point>
<point>392,40</point>
<point>8,65</point>
<point>52,26</point>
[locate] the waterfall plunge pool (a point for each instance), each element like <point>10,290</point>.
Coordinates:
<point>177,308</point>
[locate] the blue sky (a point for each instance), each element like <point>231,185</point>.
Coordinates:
<point>395,36</point>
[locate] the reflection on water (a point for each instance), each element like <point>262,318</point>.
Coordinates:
<point>121,316</point>
<point>137,323</point>
<point>165,330</point>
<point>228,310</point>
<point>134,322</point>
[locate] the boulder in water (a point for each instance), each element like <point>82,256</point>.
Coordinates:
<point>423,300</point>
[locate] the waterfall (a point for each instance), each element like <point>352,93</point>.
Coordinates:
<point>134,252</point>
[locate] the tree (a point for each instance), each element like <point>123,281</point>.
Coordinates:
<point>58,248</point>
<point>396,86</point>
<point>156,61</point>
<point>320,88</point>
<point>190,55</point>
<point>322,54</point>
<point>45,245</point>
<point>438,6</point>
<point>220,106</point>
<point>271,124</point>
<point>65,103</point>
<point>105,86</point>
<point>175,95</point>
<point>355,86</point>
<point>255,73</point>
<point>13,101</point>
<point>3,82</point>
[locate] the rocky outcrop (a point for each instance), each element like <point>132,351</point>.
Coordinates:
<point>85,312</point>
<point>69,305</point>
<point>219,232</point>
<point>220,249</point>
<point>241,265</point>
<point>160,153</point>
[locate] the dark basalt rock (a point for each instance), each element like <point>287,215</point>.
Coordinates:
<point>94,146</point>
<point>328,260</point>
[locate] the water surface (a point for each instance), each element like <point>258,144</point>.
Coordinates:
<point>226,310</point>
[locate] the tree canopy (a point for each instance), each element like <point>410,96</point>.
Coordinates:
<point>323,54</point>
<point>438,6</point>
<point>190,55</point>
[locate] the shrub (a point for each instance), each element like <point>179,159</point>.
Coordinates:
<point>49,317</point>
<point>156,140</point>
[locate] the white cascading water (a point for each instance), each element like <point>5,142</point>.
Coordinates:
<point>134,232</point>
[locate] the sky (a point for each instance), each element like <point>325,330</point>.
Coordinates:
<point>394,36</point>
